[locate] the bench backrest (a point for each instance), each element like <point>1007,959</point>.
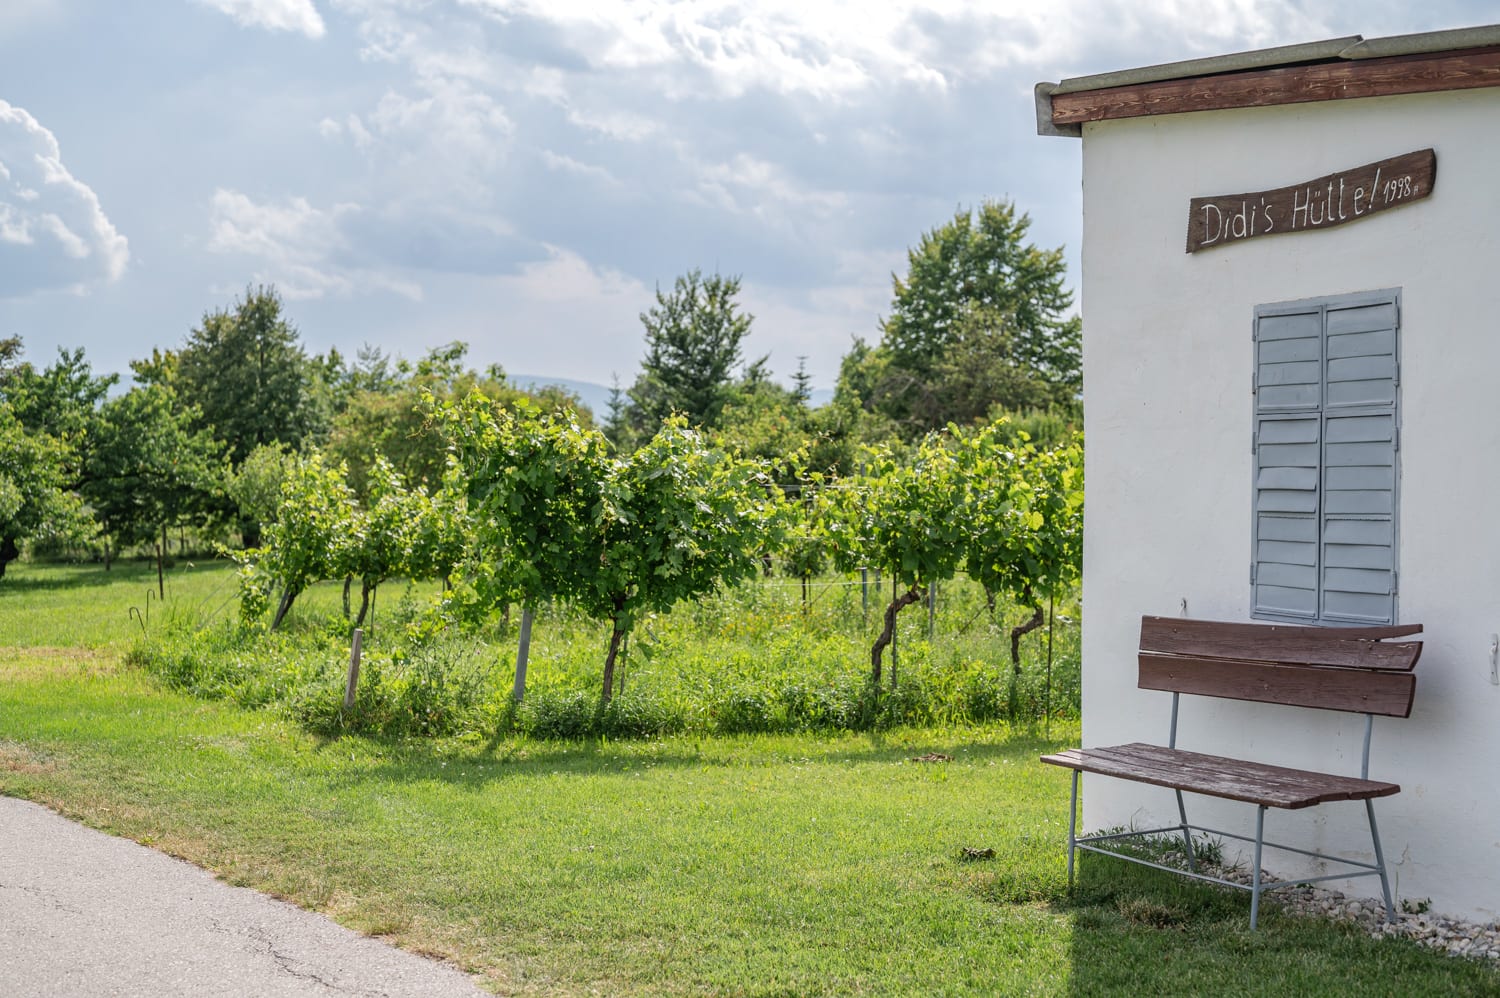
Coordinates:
<point>1335,668</point>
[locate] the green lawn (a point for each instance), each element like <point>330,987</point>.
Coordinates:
<point>742,866</point>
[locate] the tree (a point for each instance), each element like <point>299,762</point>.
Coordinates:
<point>982,259</point>
<point>45,418</point>
<point>146,471</point>
<point>678,520</point>
<point>534,496</point>
<point>387,415</point>
<point>380,537</point>
<point>245,370</point>
<point>1024,510</point>
<point>34,502</point>
<point>617,428</point>
<point>980,319</point>
<point>313,519</point>
<point>557,517</point>
<point>60,402</point>
<point>693,338</point>
<point>802,382</point>
<point>804,549</point>
<point>255,488</point>
<point>899,516</point>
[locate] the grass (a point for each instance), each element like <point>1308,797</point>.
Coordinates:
<point>811,863</point>
<point>753,865</point>
<point>751,660</point>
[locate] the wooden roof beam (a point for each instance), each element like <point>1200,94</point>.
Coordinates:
<point>1382,77</point>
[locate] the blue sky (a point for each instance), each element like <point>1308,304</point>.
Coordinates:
<point>521,174</point>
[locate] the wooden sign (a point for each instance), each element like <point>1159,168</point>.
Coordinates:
<point>1317,204</point>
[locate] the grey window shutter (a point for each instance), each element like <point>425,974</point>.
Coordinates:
<point>1359,461</point>
<point>1288,458</point>
<point>1325,473</point>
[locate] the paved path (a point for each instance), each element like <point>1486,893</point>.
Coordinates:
<point>86,914</point>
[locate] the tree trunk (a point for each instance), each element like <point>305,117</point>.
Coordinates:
<point>804,594</point>
<point>287,596</point>
<point>161,553</point>
<point>348,581</point>
<point>9,552</point>
<point>107,559</point>
<point>615,637</point>
<point>1037,619</point>
<point>365,588</point>
<point>523,653</point>
<point>907,598</point>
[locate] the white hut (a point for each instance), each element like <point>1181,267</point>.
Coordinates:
<point>1291,294</point>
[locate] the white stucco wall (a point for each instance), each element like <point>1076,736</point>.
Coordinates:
<point>1167,369</point>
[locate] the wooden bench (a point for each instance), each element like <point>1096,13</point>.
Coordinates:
<point>1334,668</point>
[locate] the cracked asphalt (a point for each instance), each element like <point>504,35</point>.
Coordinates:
<point>87,914</point>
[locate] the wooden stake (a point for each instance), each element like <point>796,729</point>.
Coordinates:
<point>359,635</point>
<point>523,652</point>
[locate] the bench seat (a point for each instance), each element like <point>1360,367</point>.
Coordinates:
<point>1217,776</point>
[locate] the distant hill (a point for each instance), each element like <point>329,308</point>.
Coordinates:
<point>596,397</point>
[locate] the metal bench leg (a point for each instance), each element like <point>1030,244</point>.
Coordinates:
<point>1385,883</point>
<point>1260,836</point>
<point>1072,827</point>
<point>1187,836</point>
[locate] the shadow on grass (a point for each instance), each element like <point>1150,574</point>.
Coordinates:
<point>409,760</point>
<point>21,580</point>
<point>1137,931</point>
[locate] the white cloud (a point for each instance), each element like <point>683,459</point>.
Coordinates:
<point>567,164</point>
<point>750,184</point>
<point>274,15</point>
<point>297,246</point>
<point>53,231</point>
<point>564,276</point>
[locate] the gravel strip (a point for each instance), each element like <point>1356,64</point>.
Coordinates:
<point>1454,936</point>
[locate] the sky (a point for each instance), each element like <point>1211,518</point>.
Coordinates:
<point>523,175</point>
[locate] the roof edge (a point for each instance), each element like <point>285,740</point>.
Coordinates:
<point>1450,40</point>
<point>1044,123</point>
<point>1332,48</point>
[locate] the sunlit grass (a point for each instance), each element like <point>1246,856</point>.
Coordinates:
<point>804,863</point>
<point>752,865</point>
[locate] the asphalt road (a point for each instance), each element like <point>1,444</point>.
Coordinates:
<point>86,914</point>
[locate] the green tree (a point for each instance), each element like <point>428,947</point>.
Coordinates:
<point>693,338</point>
<point>559,518</point>
<point>802,383</point>
<point>617,428</point>
<point>35,503</point>
<point>980,319</point>
<point>255,488</point>
<point>678,520</point>
<point>534,494</point>
<point>380,537</point>
<point>899,516</point>
<point>387,415</point>
<point>146,471</point>
<point>804,549</point>
<point>313,520</point>
<point>245,370</point>
<point>1024,511</point>
<point>60,402</point>
<point>982,259</point>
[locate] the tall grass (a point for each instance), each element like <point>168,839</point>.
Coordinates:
<point>751,660</point>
